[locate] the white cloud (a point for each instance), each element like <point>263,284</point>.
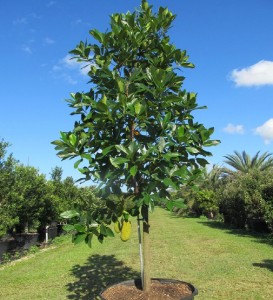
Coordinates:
<point>80,22</point>
<point>72,64</point>
<point>33,15</point>
<point>20,21</point>
<point>266,131</point>
<point>258,74</point>
<point>26,49</point>
<point>49,41</point>
<point>56,68</point>
<point>69,79</point>
<point>50,3</point>
<point>234,129</point>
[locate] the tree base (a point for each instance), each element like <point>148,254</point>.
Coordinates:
<point>161,289</point>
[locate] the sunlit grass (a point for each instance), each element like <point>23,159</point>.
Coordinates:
<point>221,263</point>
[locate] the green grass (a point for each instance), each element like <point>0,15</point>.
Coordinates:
<point>222,263</point>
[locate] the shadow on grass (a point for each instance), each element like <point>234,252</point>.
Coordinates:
<point>267,263</point>
<point>264,238</point>
<point>97,273</point>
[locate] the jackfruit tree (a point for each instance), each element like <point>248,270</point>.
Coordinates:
<point>135,135</point>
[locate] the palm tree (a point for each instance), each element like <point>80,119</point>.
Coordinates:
<point>243,163</point>
<point>212,179</point>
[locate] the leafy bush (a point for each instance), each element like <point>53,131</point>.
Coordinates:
<point>206,201</point>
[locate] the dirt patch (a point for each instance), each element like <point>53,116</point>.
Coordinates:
<point>159,291</point>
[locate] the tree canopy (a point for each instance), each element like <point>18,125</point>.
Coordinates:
<point>244,163</point>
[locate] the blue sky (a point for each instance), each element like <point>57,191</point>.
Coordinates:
<point>229,41</point>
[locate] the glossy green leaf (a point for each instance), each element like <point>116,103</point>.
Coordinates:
<point>133,170</point>
<point>69,214</point>
<point>170,205</point>
<point>72,139</point>
<point>181,131</point>
<point>167,181</point>
<point>161,144</point>
<point>107,150</point>
<point>76,164</point>
<point>68,227</point>
<point>211,143</point>
<point>109,232</point>
<point>192,150</point>
<point>122,148</point>
<point>80,238</point>
<point>103,230</point>
<point>79,228</point>
<point>101,106</point>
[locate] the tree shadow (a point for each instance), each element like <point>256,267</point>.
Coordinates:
<point>258,237</point>
<point>267,263</point>
<point>96,274</point>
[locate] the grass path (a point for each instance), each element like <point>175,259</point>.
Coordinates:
<point>221,263</point>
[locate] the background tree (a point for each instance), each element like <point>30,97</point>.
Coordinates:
<point>139,118</point>
<point>7,178</point>
<point>244,163</point>
<point>33,201</point>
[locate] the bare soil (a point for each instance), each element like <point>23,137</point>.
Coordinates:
<point>158,291</point>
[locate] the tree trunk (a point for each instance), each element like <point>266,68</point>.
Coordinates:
<point>146,252</point>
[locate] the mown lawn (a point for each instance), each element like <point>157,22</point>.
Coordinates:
<point>222,263</point>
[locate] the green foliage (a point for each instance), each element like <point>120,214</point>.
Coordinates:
<point>249,195</point>
<point>7,176</point>
<point>206,201</point>
<point>135,129</point>
<point>244,163</point>
<point>33,250</point>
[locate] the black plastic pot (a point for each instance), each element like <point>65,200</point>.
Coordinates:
<point>137,283</point>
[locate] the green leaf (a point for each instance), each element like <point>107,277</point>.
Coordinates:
<point>80,238</point>
<point>167,117</point>
<point>151,186</point>
<point>122,148</point>
<point>112,161</point>
<point>170,155</point>
<point>72,139</point>
<point>181,131</point>
<point>211,143</point>
<point>151,206</point>
<point>120,160</point>
<point>161,144</point>
<point>170,205</point>
<point>101,106</point>
<point>79,228</point>
<point>133,170</point>
<point>69,214</point>
<point>109,232</point>
<point>86,155</point>
<point>68,227</point>
<point>147,199</point>
<point>167,181</point>
<point>103,230</point>
<point>107,150</point>
<point>179,203</point>
<point>172,98</point>
<point>136,72</point>
<point>76,164</point>
<point>137,107</point>
<point>192,150</point>
<point>202,162</point>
